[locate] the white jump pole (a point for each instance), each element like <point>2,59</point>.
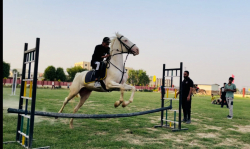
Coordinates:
<point>14,82</point>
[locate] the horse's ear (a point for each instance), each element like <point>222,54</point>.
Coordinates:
<point>117,34</point>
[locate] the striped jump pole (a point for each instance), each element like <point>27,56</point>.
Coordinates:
<point>167,98</point>
<point>14,83</point>
<point>25,138</point>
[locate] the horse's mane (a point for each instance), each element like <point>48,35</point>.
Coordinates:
<point>113,40</point>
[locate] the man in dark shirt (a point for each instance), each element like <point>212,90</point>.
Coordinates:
<point>187,87</point>
<point>101,52</point>
<point>223,96</point>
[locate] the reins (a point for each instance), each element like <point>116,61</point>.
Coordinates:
<point>129,51</point>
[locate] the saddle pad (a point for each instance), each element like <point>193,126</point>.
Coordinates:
<point>90,76</point>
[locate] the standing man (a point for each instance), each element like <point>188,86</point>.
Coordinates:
<point>101,52</point>
<point>187,87</point>
<point>223,95</point>
<point>53,85</point>
<point>230,88</point>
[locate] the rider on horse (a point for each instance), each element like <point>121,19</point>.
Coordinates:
<point>101,52</point>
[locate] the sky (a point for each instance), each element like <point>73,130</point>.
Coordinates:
<point>210,37</point>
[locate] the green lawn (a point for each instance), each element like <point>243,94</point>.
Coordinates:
<point>209,128</point>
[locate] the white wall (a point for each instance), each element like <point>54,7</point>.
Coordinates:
<point>215,87</point>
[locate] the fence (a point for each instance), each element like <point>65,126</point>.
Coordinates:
<point>57,83</point>
<point>39,83</point>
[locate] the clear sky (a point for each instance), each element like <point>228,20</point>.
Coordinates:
<point>210,37</point>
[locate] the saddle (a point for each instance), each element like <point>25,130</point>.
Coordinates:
<point>90,76</point>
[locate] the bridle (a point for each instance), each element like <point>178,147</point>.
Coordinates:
<point>129,52</point>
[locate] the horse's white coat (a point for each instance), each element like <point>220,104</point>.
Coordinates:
<point>112,80</point>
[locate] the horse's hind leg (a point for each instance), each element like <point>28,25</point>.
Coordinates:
<point>84,93</point>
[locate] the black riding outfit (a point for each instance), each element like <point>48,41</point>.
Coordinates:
<point>186,105</point>
<point>97,57</point>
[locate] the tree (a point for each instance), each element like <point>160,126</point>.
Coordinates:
<point>137,77</point>
<point>50,73</point>
<point>73,70</point>
<point>60,75</point>
<point>6,70</point>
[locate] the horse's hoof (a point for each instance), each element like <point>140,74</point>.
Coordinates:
<point>117,103</point>
<point>124,105</point>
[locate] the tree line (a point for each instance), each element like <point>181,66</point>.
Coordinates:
<point>135,77</point>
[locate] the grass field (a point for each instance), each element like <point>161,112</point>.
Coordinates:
<point>209,128</point>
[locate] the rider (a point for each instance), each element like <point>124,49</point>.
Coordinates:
<point>101,52</point>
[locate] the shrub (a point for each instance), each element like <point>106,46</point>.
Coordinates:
<point>145,90</point>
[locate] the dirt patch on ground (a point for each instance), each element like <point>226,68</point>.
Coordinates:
<point>166,136</point>
<point>212,127</point>
<point>89,101</point>
<point>208,135</point>
<point>176,138</point>
<point>92,105</point>
<point>154,119</point>
<point>195,120</point>
<point>117,121</point>
<point>246,146</point>
<point>138,140</point>
<point>195,143</point>
<point>243,129</point>
<point>101,133</point>
<point>211,119</point>
<point>180,139</point>
<point>127,130</point>
<point>152,129</point>
<point>230,142</point>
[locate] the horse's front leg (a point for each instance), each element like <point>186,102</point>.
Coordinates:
<point>112,85</point>
<point>132,88</point>
<point>118,102</point>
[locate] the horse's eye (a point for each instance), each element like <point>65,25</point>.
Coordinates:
<point>125,40</point>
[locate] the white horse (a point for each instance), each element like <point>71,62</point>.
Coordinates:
<point>114,78</point>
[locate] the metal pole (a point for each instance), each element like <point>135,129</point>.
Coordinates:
<point>174,118</point>
<point>21,92</point>
<point>29,65</point>
<point>162,100</point>
<point>180,97</point>
<point>171,79</point>
<point>33,104</point>
<point>15,83</point>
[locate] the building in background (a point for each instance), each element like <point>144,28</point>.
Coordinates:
<point>84,65</point>
<point>158,82</point>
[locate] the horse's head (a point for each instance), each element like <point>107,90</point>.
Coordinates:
<point>121,44</point>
